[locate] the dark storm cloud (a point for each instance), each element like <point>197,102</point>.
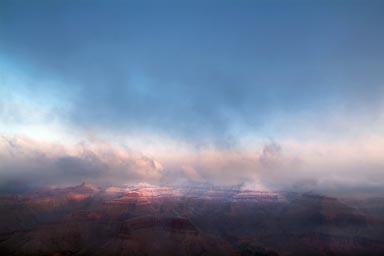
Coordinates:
<point>80,166</point>
<point>201,68</point>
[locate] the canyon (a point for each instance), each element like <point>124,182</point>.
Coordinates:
<point>144,219</point>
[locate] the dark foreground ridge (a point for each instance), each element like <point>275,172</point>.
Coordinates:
<point>150,220</point>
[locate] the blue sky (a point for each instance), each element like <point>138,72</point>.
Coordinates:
<point>199,73</point>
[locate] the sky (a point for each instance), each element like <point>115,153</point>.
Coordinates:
<point>271,94</point>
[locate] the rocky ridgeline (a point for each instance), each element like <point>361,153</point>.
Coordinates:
<point>145,194</point>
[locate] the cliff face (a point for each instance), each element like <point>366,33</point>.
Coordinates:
<point>86,220</point>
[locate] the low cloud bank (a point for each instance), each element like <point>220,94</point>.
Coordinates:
<point>326,168</point>
<point>36,163</point>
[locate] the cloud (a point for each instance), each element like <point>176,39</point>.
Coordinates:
<point>207,72</point>
<point>80,165</point>
<point>328,167</point>
<point>38,163</point>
